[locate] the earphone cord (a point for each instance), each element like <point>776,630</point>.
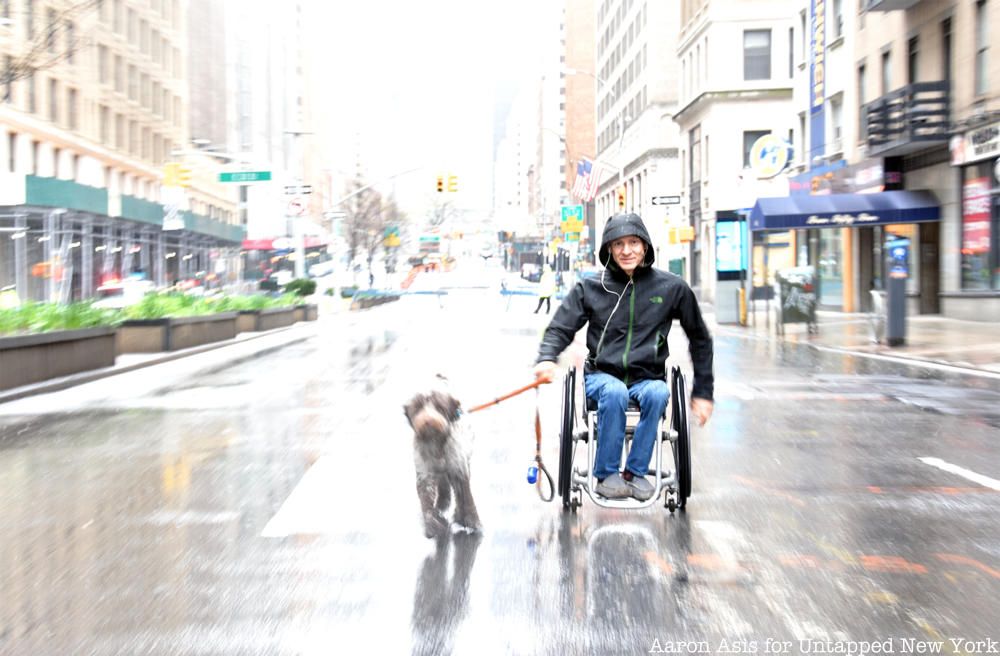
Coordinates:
<point>600,342</point>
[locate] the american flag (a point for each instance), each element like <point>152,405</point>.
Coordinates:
<point>587,179</point>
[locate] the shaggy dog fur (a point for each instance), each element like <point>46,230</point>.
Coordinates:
<point>442,446</point>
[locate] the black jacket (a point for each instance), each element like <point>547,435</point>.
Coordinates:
<point>635,344</point>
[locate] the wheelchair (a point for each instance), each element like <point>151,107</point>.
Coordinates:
<point>579,426</point>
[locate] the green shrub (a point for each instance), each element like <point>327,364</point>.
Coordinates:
<point>348,292</point>
<point>301,287</point>
<point>46,317</point>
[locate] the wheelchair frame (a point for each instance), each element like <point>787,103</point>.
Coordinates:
<point>676,430</point>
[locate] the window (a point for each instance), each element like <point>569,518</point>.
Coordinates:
<point>862,132</point>
<point>102,64</point>
<point>836,123</point>
<point>757,55</point>
<point>105,124</point>
<point>982,48</point>
<point>749,138</point>
<point>8,85</point>
<point>117,16</point>
<point>50,30</point>
<point>119,74</point>
<point>838,18</point>
<point>53,100</point>
<point>71,109</point>
<point>886,72</point>
<point>119,132</point>
<point>946,49</point>
<point>791,52</point>
<point>11,151</point>
<point>29,18</point>
<point>32,96</point>
<point>70,42</point>
<point>912,51</point>
<point>694,147</point>
<point>133,83</point>
<point>803,32</point>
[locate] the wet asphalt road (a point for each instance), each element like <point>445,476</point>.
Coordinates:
<point>269,508</point>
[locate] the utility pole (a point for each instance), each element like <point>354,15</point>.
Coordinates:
<point>298,236</point>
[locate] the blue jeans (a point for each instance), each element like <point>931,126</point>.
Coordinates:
<point>612,400</point>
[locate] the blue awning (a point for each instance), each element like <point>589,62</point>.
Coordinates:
<point>844,210</point>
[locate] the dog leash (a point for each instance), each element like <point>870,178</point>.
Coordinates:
<point>533,476</point>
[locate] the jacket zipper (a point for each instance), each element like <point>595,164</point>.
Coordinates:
<point>628,337</point>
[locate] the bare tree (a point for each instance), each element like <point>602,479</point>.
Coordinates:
<point>58,38</point>
<point>363,222</point>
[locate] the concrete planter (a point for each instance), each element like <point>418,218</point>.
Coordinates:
<point>269,319</point>
<point>363,301</point>
<point>175,333</point>
<point>26,359</point>
<point>306,312</point>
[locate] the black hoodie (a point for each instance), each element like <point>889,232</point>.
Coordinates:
<point>628,338</point>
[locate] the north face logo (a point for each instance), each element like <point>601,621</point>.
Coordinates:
<point>655,299</point>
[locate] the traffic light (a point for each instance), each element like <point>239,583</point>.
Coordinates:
<point>440,183</point>
<point>170,174</point>
<point>621,198</point>
<point>183,176</point>
<point>453,183</point>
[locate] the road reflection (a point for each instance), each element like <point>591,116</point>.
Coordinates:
<point>440,601</point>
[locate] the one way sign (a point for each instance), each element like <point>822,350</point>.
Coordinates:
<point>666,200</point>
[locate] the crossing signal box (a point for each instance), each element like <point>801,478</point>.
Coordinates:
<point>440,183</point>
<point>453,183</point>
<point>621,198</point>
<point>176,174</point>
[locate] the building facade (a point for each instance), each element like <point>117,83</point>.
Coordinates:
<point>730,97</point>
<point>638,142</point>
<point>899,107</point>
<point>85,129</point>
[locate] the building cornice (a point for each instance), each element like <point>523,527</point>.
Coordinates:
<point>20,122</point>
<point>709,97</point>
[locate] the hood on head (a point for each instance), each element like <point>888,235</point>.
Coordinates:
<point>624,225</point>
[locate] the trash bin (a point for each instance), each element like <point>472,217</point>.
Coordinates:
<point>797,298</point>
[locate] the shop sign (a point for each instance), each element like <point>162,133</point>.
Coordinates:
<point>842,219</point>
<point>975,145</point>
<point>976,216</point>
<point>768,156</point>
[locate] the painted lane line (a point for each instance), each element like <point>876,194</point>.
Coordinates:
<point>985,481</point>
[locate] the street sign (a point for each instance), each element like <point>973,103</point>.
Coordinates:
<point>245,176</point>
<point>666,200</point>
<point>297,190</point>
<point>572,219</point>
<point>296,207</point>
<point>332,215</point>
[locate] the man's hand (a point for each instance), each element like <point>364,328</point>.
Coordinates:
<point>702,410</point>
<point>545,372</point>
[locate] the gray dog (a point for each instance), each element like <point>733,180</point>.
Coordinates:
<point>442,446</point>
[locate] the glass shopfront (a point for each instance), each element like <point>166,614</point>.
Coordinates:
<point>980,228</point>
<point>831,269</point>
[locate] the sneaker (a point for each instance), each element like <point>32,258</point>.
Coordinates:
<point>640,488</point>
<point>614,487</point>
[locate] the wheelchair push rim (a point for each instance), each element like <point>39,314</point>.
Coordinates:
<point>682,447</point>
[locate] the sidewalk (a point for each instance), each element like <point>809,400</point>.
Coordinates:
<point>244,346</point>
<point>931,340</point>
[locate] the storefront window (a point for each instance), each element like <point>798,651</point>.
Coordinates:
<point>977,270</point>
<point>831,270</point>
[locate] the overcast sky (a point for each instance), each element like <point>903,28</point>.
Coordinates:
<point>417,81</point>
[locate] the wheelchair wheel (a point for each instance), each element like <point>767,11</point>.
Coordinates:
<point>682,447</point>
<point>565,478</point>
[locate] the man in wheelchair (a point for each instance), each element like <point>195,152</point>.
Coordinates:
<point>629,308</point>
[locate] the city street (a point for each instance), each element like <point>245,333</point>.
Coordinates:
<point>267,506</point>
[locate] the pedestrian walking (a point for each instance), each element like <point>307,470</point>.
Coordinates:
<point>546,289</point>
